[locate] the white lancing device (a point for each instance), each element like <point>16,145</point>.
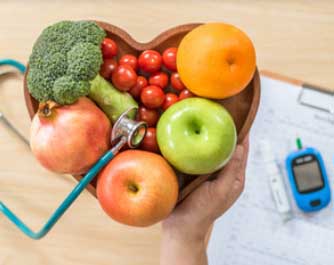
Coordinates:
<point>276,182</point>
<point>278,191</point>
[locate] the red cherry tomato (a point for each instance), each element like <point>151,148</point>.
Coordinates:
<point>170,99</point>
<point>150,116</point>
<point>169,58</point>
<point>129,59</point>
<point>138,87</point>
<point>124,77</point>
<point>108,67</point>
<point>109,48</point>
<point>152,97</point>
<point>185,94</point>
<point>150,61</point>
<point>159,79</point>
<point>176,81</point>
<point>149,142</point>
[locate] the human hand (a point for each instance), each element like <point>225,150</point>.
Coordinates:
<point>185,230</point>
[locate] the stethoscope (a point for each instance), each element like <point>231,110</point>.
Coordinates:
<point>17,65</point>
<point>125,132</point>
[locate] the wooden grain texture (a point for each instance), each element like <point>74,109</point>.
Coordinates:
<point>242,107</point>
<point>294,38</point>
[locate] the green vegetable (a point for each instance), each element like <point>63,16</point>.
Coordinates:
<point>112,101</point>
<point>66,88</point>
<point>65,57</point>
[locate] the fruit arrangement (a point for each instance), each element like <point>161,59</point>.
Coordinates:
<point>197,90</point>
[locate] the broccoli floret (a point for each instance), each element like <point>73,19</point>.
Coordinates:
<point>67,90</point>
<point>83,60</point>
<point>87,31</point>
<point>64,58</point>
<point>39,84</point>
<point>53,39</point>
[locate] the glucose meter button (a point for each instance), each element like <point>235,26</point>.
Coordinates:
<point>307,158</point>
<point>315,203</point>
<point>299,160</point>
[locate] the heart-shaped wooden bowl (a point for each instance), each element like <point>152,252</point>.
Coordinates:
<point>243,107</point>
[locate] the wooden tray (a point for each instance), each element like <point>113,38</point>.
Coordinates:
<point>243,107</point>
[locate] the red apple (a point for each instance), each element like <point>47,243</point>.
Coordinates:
<point>137,188</point>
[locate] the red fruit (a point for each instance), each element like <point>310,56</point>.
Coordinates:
<point>124,77</point>
<point>159,79</point>
<point>109,48</point>
<point>185,94</point>
<point>150,116</point>
<point>129,59</point>
<point>138,87</point>
<point>150,61</point>
<point>170,99</point>
<point>169,58</point>
<point>108,67</point>
<point>137,188</point>
<point>149,142</point>
<point>69,139</point>
<point>176,81</point>
<point>152,97</point>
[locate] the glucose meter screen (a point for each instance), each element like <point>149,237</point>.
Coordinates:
<point>308,177</point>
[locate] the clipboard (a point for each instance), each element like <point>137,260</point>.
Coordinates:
<point>308,91</point>
<point>252,231</point>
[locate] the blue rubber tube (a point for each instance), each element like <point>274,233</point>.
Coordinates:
<point>65,204</point>
<point>13,63</point>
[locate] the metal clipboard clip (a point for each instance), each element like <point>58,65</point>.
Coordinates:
<point>317,98</point>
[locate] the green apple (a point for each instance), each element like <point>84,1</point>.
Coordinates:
<point>196,136</point>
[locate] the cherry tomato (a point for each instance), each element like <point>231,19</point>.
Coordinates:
<point>169,58</point>
<point>108,67</point>
<point>150,61</point>
<point>150,116</point>
<point>129,59</point>
<point>152,97</point>
<point>138,87</point>
<point>159,79</point>
<point>109,48</point>
<point>185,94</point>
<point>149,142</point>
<point>170,99</point>
<point>176,81</point>
<point>124,77</point>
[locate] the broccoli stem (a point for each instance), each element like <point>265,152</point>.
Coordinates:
<point>109,99</point>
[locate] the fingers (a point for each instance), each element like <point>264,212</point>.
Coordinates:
<point>230,181</point>
<point>212,198</point>
<point>208,235</point>
<point>234,171</point>
<point>241,177</point>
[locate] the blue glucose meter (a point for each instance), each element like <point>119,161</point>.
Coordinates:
<point>308,178</point>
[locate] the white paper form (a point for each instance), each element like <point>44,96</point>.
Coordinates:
<point>252,232</point>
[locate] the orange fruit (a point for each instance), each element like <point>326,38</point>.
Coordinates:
<point>216,60</point>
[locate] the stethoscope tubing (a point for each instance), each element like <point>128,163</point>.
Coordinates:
<point>82,184</point>
<point>16,64</point>
<point>19,66</point>
<point>72,196</point>
<point>58,213</point>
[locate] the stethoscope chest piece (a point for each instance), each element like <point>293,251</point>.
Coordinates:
<point>129,129</point>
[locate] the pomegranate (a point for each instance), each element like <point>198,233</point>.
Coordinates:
<point>69,139</point>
